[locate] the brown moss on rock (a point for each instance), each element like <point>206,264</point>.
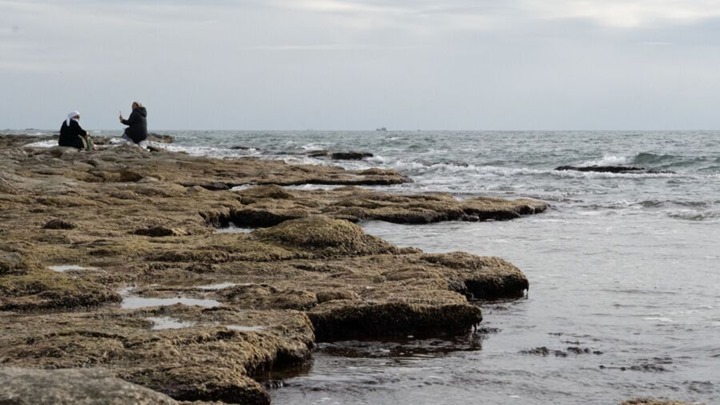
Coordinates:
<point>310,262</point>
<point>214,358</point>
<point>334,295</point>
<point>269,297</point>
<point>325,237</point>
<point>15,263</point>
<point>198,383</point>
<point>356,205</point>
<point>482,277</point>
<point>335,320</point>
<point>484,208</point>
<point>260,218</point>
<point>59,224</point>
<point>160,231</point>
<point>44,289</point>
<point>269,191</point>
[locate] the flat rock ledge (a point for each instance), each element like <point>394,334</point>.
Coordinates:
<point>265,206</point>
<point>113,260</point>
<point>73,386</point>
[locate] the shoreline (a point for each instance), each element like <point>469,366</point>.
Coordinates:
<point>146,222</point>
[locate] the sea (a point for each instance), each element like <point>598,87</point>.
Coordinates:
<point>624,269</point>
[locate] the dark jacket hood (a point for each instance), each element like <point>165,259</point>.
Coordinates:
<point>142,111</point>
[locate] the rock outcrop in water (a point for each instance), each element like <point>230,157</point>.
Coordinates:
<point>131,228</point>
<point>612,169</point>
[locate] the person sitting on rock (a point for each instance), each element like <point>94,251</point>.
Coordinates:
<point>72,135</point>
<point>136,131</point>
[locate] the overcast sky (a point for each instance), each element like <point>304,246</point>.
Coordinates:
<point>362,64</point>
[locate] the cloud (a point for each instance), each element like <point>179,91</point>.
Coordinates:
<point>627,14</point>
<point>345,63</point>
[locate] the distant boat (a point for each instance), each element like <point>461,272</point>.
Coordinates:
<point>381,129</point>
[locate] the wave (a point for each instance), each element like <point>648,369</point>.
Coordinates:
<point>646,158</point>
<point>651,160</point>
<point>678,203</point>
<point>690,215</point>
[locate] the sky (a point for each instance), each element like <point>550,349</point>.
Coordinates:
<point>363,64</point>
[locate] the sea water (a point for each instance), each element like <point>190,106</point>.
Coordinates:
<point>624,269</point>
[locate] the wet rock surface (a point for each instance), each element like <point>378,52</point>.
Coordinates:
<point>612,169</point>
<point>351,155</point>
<point>73,386</point>
<point>155,296</point>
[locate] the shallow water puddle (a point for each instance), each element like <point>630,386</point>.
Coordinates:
<point>67,267</point>
<point>140,302</point>
<point>219,286</point>
<point>246,328</point>
<point>165,322</point>
<point>234,229</point>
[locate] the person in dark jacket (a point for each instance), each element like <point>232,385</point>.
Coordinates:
<point>137,124</point>
<point>72,134</point>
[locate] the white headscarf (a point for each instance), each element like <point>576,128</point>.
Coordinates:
<point>70,116</point>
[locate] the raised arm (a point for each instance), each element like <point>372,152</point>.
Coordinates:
<point>132,119</point>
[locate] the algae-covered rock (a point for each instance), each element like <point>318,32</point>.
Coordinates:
<point>59,224</point>
<point>483,277</point>
<point>263,207</point>
<point>335,320</point>
<point>269,297</point>
<point>325,236</point>
<point>141,226</point>
<point>15,263</point>
<point>25,285</point>
<point>159,231</point>
<point>212,355</point>
<point>44,289</point>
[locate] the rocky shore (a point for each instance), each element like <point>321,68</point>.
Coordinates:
<point>193,277</point>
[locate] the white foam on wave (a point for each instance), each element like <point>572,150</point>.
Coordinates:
<point>608,160</point>
<point>403,165</point>
<point>658,319</point>
<point>509,171</point>
<point>208,151</point>
<point>313,147</point>
<point>608,175</point>
<point>455,168</point>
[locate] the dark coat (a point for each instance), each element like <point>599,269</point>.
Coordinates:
<point>70,135</point>
<point>137,125</point>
